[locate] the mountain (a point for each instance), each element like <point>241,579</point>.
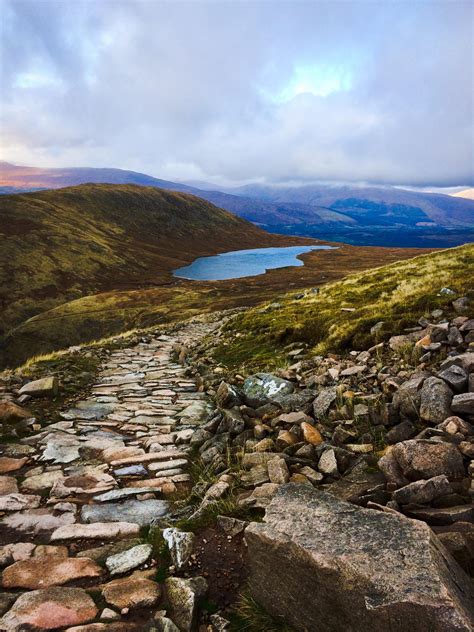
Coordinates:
<point>468,194</point>
<point>58,245</point>
<point>361,215</point>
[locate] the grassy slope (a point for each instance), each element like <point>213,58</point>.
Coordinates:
<point>60,245</point>
<point>397,294</point>
<point>109,313</point>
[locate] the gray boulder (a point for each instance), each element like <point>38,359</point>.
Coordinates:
<point>463,404</point>
<point>422,492</point>
<point>455,377</point>
<point>323,402</point>
<point>261,388</point>
<point>323,564</point>
<point>435,400</point>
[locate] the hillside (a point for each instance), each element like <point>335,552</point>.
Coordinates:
<point>342,314</point>
<point>59,245</point>
<point>361,215</point>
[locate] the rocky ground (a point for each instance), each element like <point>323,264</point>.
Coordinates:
<point>128,513</point>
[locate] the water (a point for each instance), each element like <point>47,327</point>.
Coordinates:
<point>243,263</point>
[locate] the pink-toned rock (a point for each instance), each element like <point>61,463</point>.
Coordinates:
<point>36,520</point>
<point>114,454</point>
<point>95,531</point>
<point>17,502</point>
<point>49,609</point>
<point>131,592</point>
<point>8,485</point>
<point>117,626</point>
<point>10,412</point>
<point>8,464</point>
<point>46,571</point>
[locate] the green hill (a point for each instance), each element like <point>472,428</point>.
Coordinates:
<point>59,245</point>
<point>341,315</point>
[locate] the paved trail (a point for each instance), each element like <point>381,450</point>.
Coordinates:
<point>95,478</point>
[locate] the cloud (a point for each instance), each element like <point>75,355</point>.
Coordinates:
<point>236,91</point>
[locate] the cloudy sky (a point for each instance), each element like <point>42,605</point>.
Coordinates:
<point>374,91</point>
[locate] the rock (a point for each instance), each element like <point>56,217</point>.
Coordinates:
<point>231,526</point>
<point>96,531</point>
<point>443,515</point>
<point>131,592</point>
<point>8,464</point>
<point>261,388</point>
<point>45,387</point>
<point>131,470</point>
<point>455,425</point>
<point>15,552</point>
<point>163,624</point>
<point>327,463</point>
<point>41,482</point>
<point>455,377</point>
<point>115,453</point>
<point>285,439</point>
<point>46,571</point>
<point>227,396</point>
<point>461,305</point>
<point>197,412</point>
<point>265,445</point>
<point>6,600</point>
<point>401,432</point>
<point>435,400</point>
<point>184,596</point>
<point>251,459</point>
<point>311,434</point>
<point>128,560</point>
<point>463,404</point>
<point>322,564</point>
<point>278,471</point>
<point>101,553</point>
<point>12,416</point>
<point>232,421</point>
<point>37,520</point>
<point>124,492</point>
<point>180,544</point>
<point>421,459</point>
<point>313,476</point>
<point>294,418</point>
<point>8,485</point>
<point>354,370</point>
<point>323,402</point>
<point>49,609</point>
<point>141,512</point>
<point>464,360</point>
<point>423,492</point>
<point>17,502</point>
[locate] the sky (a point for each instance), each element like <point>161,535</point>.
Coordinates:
<point>233,92</point>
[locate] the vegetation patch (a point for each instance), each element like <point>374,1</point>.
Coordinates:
<point>342,315</point>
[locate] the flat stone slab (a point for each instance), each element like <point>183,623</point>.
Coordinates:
<point>17,502</point>
<point>118,494</point>
<point>128,560</point>
<point>36,520</point>
<point>48,609</point>
<point>140,512</point>
<point>46,571</point>
<point>131,470</point>
<point>106,531</point>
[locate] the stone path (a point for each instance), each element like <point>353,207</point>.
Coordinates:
<point>76,495</point>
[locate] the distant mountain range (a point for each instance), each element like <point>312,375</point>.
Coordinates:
<point>360,215</point>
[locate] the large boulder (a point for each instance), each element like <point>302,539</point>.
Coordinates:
<point>261,388</point>
<point>323,564</point>
<point>422,459</point>
<point>435,400</point>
